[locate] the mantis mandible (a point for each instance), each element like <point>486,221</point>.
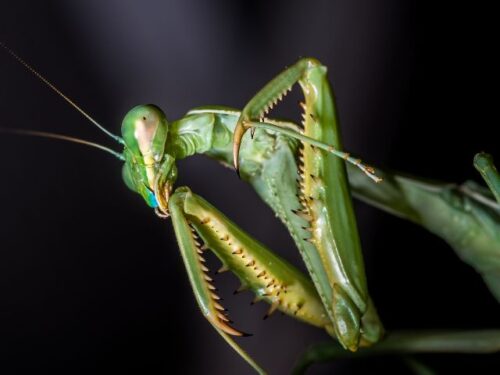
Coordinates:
<point>298,170</point>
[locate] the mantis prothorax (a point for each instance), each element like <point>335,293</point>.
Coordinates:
<point>298,170</point>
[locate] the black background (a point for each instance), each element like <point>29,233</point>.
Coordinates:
<point>91,281</point>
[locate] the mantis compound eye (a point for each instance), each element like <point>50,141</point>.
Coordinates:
<point>144,130</point>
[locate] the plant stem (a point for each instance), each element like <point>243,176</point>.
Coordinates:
<point>404,342</point>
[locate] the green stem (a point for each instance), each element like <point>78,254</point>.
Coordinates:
<point>405,342</point>
<point>418,367</point>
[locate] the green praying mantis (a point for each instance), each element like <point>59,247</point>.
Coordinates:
<point>299,170</point>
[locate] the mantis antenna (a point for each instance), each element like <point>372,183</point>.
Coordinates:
<point>58,92</point>
<point>35,133</point>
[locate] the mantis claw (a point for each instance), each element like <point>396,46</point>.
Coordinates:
<point>239,132</point>
<point>161,214</point>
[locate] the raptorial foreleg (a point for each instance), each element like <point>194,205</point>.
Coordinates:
<point>335,260</point>
<point>200,226</point>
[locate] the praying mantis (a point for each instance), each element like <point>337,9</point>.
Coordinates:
<point>298,170</point>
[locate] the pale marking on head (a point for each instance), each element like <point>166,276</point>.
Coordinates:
<point>144,133</point>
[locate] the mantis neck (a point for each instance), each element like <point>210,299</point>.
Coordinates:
<point>209,131</point>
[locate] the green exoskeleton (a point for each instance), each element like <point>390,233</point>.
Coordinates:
<point>298,170</point>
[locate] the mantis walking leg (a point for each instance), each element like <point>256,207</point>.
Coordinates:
<point>271,278</point>
<point>484,164</point>
<point>334,260</point>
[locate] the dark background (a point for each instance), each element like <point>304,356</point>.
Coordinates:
<point>91,281</point>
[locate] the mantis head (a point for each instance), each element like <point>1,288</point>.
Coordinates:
<point>148,170</point>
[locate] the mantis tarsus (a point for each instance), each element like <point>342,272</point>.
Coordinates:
<point>299,171</point>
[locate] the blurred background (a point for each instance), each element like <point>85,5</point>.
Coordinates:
<point>92,281</point>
